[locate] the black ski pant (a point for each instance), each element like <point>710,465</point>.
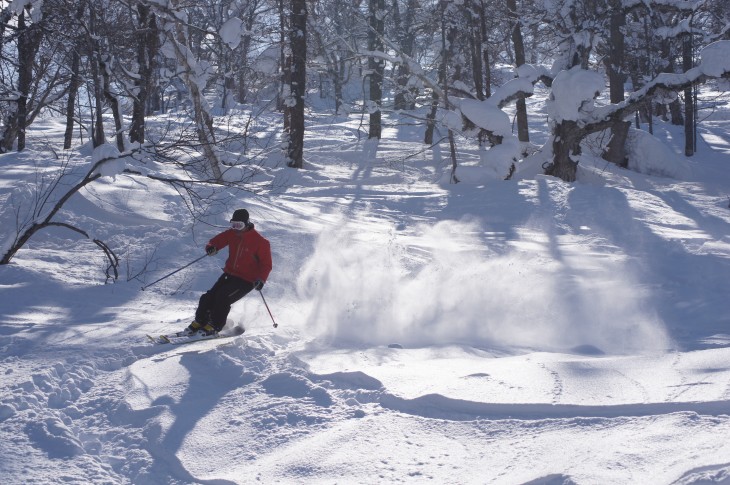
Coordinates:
<point>215,304</point>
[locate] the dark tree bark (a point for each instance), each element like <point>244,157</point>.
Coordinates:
<point>97,132</point>
<point>485,52</point>
<point>73,90</point>
<point>431,119</point>
<point>283,100</point>
<point>147,48</point>
<point>376,65</point>
<point>404,98</point>
<point>689,110</point>
<point>675,107</point>
<point>615,60</point>
<point>616,150</point>
<point>29,40</point>
<point>111,98</point>
<point>74,82</point>
<point>566,144</point>
<point>298,40</point>
<point>243,69</point>
<point>476,47</point>
<point>523,133</point>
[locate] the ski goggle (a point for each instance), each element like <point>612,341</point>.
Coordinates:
<point>237,225</point>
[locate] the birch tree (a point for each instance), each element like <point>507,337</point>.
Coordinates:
<point>194,75</point>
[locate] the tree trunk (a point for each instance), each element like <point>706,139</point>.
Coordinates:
<point>616,149</point>
<point>73,90</point>
<point>97,133</point>
<point>675,112</point>
<point>147,48</point>
<point>243,70</point>
<point>476,47</point>
<point>566,144</point>
<point>298,40</point>
<point>523,133</point>
<point>339,79</point>
<point>29,40</point>
<point>615,60</point>
<point>28,43</point>
<point>675,107</point>
<point>203,120</point>
<point>431,119</point>
<point>447,50</point>
<point>404,98</point>
<point>111,98</point>
<point>74,82</point>
<point>475,51</point>
<point>485,52</point>
<point>689,118</point>
<point>376,65</point>
<point>431,116</point>
<point>285,59</point>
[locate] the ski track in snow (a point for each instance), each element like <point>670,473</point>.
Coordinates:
<point>139,417</point>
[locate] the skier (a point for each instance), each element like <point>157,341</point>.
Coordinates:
<point>247,268</point>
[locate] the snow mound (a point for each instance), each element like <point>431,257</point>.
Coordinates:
<point>112,163</point>
<point>231,32</point>
<point>650,156</point>
<point>716,58</point>
<point>486,116</point>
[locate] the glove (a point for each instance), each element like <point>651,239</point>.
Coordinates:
<point>210,250</point>
<point>258,284</point>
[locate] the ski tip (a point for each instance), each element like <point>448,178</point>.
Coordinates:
<point>156,340</point>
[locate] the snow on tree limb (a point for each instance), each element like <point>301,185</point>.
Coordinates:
<point>715,64</point>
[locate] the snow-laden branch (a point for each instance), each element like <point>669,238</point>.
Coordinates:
<point>106,161</point>
<point>715,64</point>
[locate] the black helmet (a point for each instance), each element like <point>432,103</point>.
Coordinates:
<point>240,215</point>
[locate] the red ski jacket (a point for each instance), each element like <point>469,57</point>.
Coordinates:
<point>249,253</point>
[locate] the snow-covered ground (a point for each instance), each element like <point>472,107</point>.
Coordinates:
<point>524,331</point>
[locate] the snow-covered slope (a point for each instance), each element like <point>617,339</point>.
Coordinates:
<point>526,331</point>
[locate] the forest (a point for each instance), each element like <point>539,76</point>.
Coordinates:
<point>499,229</point>
<point>108,66</point>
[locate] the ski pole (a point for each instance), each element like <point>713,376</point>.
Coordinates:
<point>179,269</point>
<point>267,308</point>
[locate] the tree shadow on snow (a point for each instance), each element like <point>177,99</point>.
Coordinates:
<point>210,380</point>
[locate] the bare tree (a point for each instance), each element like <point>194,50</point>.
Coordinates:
<point>192,73</point>
<point>41,212</point>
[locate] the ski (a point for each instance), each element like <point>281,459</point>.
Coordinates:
<point>179,338</point>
